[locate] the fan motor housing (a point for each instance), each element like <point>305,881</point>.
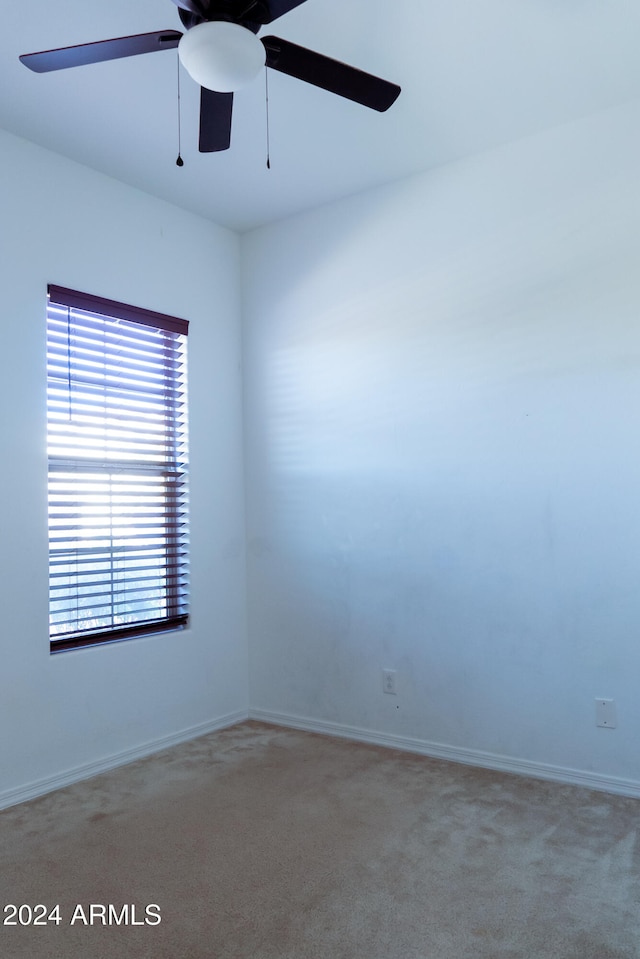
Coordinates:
<point>251,14</point>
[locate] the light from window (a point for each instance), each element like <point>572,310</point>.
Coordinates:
<point>117,448</point>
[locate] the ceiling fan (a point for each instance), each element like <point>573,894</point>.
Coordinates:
<point>222,52</point>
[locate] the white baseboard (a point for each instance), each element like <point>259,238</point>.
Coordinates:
<point>23,793</point>
<point>470,757</point>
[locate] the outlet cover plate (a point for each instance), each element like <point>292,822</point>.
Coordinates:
<point>389,681</point>
<point>606,713</point>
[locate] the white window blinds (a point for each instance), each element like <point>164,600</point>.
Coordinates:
<point>117,447</point>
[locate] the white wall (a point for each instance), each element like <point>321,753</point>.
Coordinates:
<point>441,436</point>
<point>443,459</point>
<point>62,223</point>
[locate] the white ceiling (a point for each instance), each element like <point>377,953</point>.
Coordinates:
<point>474,74</point>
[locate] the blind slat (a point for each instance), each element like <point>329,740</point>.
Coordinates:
<point>92,555</point>
<point>87,587</point>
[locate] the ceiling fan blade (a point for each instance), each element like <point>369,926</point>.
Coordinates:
<point>331,75</point>
<point>277,8</point>
<point>47,60</point>
<point>215,120</point>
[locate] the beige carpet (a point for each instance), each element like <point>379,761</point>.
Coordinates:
<point>266,843</point>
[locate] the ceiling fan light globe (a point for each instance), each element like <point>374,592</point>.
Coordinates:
<point>221,56</point>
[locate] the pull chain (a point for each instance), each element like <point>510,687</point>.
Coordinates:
<point>266,94</point>
<point>179,161</point>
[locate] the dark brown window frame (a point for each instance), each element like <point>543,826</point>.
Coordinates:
<point>172,472</point>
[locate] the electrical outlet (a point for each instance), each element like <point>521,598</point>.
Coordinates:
<point>389,677</point>
<point>606,713</point>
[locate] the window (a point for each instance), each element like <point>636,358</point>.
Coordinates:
<point>117,445</point>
